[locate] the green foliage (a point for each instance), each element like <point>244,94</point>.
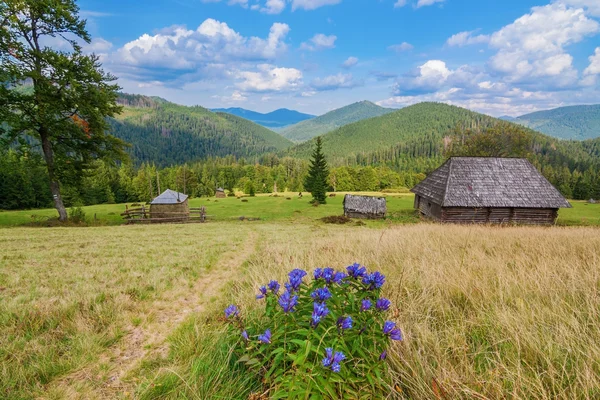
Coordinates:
<point>65,111</point>
<point>574,122</point>
<point>322,339</point>
<point>318,174</point>
<point>502,140</point>
<point>165,133</point>
<point>309,129</point>
<point>77,215</point>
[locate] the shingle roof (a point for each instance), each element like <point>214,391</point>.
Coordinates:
<point>169,197</point>
<point>365,204</point>
<point>490,182</point>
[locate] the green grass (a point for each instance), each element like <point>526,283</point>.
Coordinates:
<point>400,210</point>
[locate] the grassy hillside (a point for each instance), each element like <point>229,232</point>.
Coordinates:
<point>424,121</point>
<point>306,130</point>
<point>575,122</point>
<point>275,119</point>
<point>97,313</point>
<point>167,133</point>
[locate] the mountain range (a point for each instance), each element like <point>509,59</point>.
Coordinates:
<point>308,129</point>
<point>275,119</point>
<point>573,122</point>
<point>166,133</point>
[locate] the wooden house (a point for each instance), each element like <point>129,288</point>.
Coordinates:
<point>220,193</point>
<point>488,190</point>
<point>170,204</point>
<point>364,206</point>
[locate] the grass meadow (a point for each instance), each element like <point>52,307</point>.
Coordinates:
<point>109,312</point>
<point>267,208</point>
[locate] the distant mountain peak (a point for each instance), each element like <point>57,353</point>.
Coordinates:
<point>571,122</point>
<point>274,119</point>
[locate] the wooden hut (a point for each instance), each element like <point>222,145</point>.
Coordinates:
<point>220,193</point>
<point>364,206</point>
<point>488,190</point>
<point>170,204</point>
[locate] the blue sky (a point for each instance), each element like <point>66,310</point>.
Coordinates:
<point>497,57</point>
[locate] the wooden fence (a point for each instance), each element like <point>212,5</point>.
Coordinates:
<point>143,215</point>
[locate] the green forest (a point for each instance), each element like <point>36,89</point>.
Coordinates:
<point>193,150</point>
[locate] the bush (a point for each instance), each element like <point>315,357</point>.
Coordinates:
<point>77,215</point>
<point>328,337</point>
<point>336,219</point>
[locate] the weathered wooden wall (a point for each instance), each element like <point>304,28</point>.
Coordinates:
<point>169,210</point>
<point>427,207</point>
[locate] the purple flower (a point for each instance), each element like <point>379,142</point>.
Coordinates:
<point>296,277</point>
<point>328,274</point>
<point>345,323</point>
<point>356,270</point>
<point>320,311</point>
<point>266,337</point>
<point>374,280</point>
<point>231,311</point>
<point>339,277</point>
<point>366,305</point>
<point>321,294</point>
<point>245,335</point>
<point>263,292</point>
<point>318,273</point>
<point>389,329</point>
<point>332,361</point>
<point>383,355</point>
<point>383,304</point>
<point>274,287</point>
<point>288,302</point>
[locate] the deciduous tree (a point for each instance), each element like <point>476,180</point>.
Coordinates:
<point>56,99</point>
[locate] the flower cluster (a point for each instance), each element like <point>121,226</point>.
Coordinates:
<point>332,360</point>
<point>341,308</point>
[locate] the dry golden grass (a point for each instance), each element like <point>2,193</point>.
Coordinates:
<point>487,312</point>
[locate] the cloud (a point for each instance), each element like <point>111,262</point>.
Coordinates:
<point>269,78</point>
<point>466,38</point>
<point>398,48</point>
<point>400,3</point>
<point>594,67</point>
<point>333,82</point>
<point>592,7</point>
<point>424,3</point>
<point>235,97</point>
<point>97,45</point>
<point>350,62</point>
<point>93,14</point>
<point>213,42</point>
<point>320,42</point>
<point>383,76</point>
<point>243,3</point>
<point>533,46</point>
<point>273,7</point>
<point>312,4</point>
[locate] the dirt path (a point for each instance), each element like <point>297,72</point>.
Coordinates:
<point>151,338</point>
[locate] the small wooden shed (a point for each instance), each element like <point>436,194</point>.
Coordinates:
<point>364,206</point>
<point>220,193</point>
<point>170,204</point>
<point>488,190</point>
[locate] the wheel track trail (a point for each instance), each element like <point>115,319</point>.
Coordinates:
<point>139,342</point>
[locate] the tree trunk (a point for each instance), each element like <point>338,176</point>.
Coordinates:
<point>54,185</point>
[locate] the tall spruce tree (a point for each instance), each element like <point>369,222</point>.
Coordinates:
<point>60,99</point>
<point>316,181</point>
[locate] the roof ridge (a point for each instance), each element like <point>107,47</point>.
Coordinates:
<point>447,180</point>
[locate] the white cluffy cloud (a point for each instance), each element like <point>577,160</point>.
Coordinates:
<point>423,3</point>
<point>466,38</point>
<point>319,42</point>
<point>398,48</point>
<point>350,62</point>
<point>312,4</point>
<point>269,78</point>
<point>333,82</point>
<point>213,41</point>
<point>273,7</point>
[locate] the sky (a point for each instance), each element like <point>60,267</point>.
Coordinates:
<point>499,57</point>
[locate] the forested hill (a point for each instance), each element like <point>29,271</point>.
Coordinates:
<point>424,124</point>
<point>275,119</point>
<point>306,130</point>
<point>574,122</point>
<point>166,134</point>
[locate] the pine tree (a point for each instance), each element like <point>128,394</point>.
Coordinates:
<point>318,173</point>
